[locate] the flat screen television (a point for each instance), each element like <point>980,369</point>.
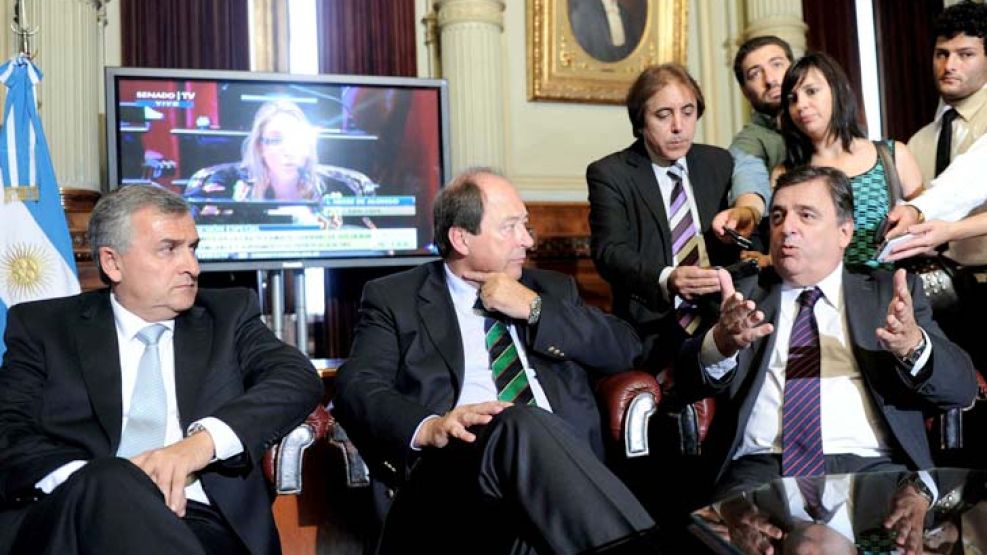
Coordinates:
<point>286,170</point>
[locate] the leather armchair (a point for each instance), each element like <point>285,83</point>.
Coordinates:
<point>630,401</point>
<point>283,461</point>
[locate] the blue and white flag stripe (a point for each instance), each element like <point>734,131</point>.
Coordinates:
<point>36,259</point>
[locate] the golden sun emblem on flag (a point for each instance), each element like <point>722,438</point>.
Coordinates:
<point>23,269</point>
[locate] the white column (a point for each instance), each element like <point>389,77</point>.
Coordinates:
<point>471,35</point>
<point>782,18</point>
<point>68,48</point>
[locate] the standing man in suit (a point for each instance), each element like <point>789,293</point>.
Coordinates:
<point>819,370</point>
<point>651,206</point>
<point>134,419</point>
<point>467,390</point>
<point>606,29</point>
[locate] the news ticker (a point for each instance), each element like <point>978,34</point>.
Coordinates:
<point>369,206</point>
<point>244,242</point>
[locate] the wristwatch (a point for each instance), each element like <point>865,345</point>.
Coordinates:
<point>912,356</point>
<point>535,311</point>
<point>913,479</point>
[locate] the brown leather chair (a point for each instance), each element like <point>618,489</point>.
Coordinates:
<point>283,461</point>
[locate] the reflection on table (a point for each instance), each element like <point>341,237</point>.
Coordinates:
<point>873,513</point>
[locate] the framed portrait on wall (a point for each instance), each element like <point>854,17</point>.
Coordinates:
<point>591,50</point>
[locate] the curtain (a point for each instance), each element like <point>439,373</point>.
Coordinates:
<point>833,30</point>
<point>904,55</point>
<point>367,37</point>
<point>189,34</point>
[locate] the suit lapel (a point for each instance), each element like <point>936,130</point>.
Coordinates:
<point>858,292</point>
<point>438,318</point>
<point>99,359</point>
<point>193,340</point>
<point>643,177</point>
<point>706,204</point>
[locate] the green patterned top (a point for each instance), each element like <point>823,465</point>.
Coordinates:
<point>870,206</point>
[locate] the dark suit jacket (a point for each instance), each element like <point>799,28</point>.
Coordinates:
<point>947,380</point>
<point>589,25</point>
<point>407,361</point>
<point>631,241</point>
<point>60,395</point>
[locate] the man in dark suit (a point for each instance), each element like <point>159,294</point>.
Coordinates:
<point>819,370</point>
<point>606,29</point>
<point>468,390</point>
<point>134,419</point>
<point>651,206</point>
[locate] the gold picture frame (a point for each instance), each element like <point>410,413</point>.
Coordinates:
<point>560,65</point>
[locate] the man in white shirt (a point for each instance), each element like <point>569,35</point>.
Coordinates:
<point>949,151</point>
<point>819,370</point>
<point>133,419</point>
<point>467,390</point>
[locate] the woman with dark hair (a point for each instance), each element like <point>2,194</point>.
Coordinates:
<point>819,120</point>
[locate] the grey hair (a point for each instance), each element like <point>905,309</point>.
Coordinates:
<point>109,224</point>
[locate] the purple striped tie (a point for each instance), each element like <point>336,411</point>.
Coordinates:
<point>812,488</point>
<point>801,430</point>
<point>685,244</point>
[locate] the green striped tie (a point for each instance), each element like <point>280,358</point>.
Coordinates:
<point>508,372</point>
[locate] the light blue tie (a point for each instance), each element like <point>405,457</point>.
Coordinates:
<point>147,418</point>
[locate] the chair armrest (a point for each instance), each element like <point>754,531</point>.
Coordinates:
<point>628,400</point>
<point>357,472</point>
<point>283,461</point>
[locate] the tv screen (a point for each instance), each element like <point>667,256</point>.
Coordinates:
<point>285,170</point>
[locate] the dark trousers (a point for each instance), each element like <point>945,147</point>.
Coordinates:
<point>527,484</point>
<point>110,506</point>
<point>752,471</point>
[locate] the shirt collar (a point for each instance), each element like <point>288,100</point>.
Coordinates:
<point>831,285</point>
<point>655,161</point>
<point>462,291</point>
<point>129,324</point>
<point>765,120</point>
<point>966,107</point>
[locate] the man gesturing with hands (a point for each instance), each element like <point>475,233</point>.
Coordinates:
<point>467,390</point>
<point>818,369</point>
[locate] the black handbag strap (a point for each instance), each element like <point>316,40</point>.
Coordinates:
<point>891,179</point>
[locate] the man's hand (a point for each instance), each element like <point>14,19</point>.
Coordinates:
<point>927,236</point>
<point>749,527</point>
<point>170,467</point>
<point>900,333</point>
<point>900,218</point>
<point>907,517</point>
<point>740,323</point>
<point>689,282</point>
<point>437,432</point>
<point>740,218</point>
<point>502,293</point>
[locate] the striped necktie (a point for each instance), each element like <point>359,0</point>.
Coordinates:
<point>801,430</point>
<point>147,417</point>
<point>812,488</point>
<point>685,244</point>
<point>505,364</point>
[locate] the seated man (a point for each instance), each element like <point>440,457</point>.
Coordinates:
<point>842,367</point>
<point>134,419</point>
<point>468,390</point>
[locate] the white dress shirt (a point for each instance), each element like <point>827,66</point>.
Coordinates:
<point>478,382</point>
<point>666,186</point>
<point>128,325</point>
<point>614,23</point>
<point>851,424</point>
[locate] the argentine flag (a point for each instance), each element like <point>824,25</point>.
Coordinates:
<point>35,249</point>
